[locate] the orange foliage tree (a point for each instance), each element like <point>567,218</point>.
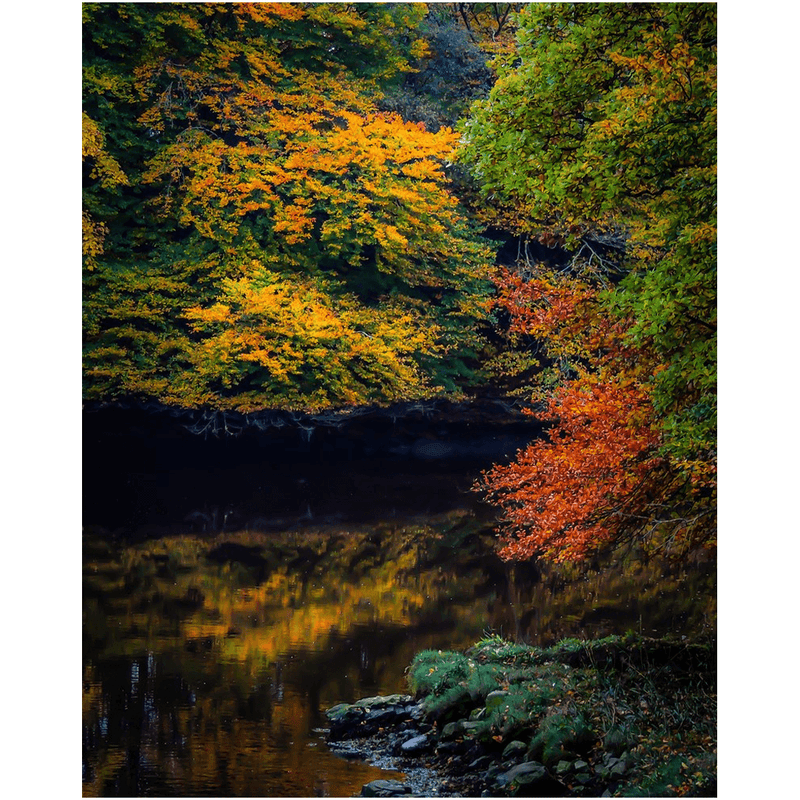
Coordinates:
<point>280,243</point>
<point>600,477</point>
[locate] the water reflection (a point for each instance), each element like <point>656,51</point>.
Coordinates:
<point>209,656</point>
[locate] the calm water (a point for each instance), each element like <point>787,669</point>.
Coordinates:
<point>225,609</point>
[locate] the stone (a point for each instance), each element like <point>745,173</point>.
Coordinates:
<point>493,772</point>
<point>383,700</point>
<point>553,753</point>
<point>345,720</point>
<point>514,750</point>
<point>386,716</point>
<point>368,716</point>
<point>471,727</point>
<point>480,763</point>
<point>339,711</point>
<point>385,788</point>
<point>474,750</point>
<point>417,744</point>
<point>450,748</point>
<point>529,779</point>
<point>495,699</point>
<point>527,772</point>
<point>452,729</point>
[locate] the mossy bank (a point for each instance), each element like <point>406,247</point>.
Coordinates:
<point>622,716</point>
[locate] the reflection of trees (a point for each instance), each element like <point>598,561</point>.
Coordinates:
<point>653,597</point>
<point>251,643</point>
<point>213,671</point>
<point>152,724</point>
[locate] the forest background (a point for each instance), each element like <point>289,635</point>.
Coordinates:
<point>43,328</point>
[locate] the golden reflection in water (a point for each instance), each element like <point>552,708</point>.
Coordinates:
<point>208,675</point>
<point>211,676</point>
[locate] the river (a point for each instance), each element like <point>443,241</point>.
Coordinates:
<point>229,600</point>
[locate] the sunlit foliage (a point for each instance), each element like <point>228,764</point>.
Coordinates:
<point>278,242</point>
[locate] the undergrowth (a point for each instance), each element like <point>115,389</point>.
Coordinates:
<point>636,714</point>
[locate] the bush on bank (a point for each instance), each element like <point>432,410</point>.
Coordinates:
<point>631,715</point>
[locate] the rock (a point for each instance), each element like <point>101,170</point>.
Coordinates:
<point>530,779</point>
<point>418,744</point>
<point>450,748</point>
<point>384,716</point>
<point>345,751</point>
<point>338,711</point>
<point>383,700</point>
<point>367,716</point>
<point>514,750</point>
<point>533,769</point>
<point>493,772</point>
<point>481,763</point>
<point>495,699</point>
<point>474,750</point>
<point>383,788</point>
<point>453,729</point>
<point>553,753</point>
<point>533,784</point>
<point>471,727</point>
<point>620,768</point>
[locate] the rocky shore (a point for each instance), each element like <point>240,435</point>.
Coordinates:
<point>620,717</point>
<point>391,732</point>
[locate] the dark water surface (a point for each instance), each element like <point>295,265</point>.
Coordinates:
<point>227,605</point>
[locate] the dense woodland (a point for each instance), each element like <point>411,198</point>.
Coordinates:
<point>316,207</point>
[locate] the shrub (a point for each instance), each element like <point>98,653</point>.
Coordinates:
<point>452,683</point>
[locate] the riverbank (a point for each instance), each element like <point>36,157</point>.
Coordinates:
<point>624,716</point>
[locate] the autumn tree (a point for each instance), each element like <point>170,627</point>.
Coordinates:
<point>600,136</point>
<point>279,241</point>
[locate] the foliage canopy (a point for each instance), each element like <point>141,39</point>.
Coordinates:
<point>258,234</point>
<point>271,220</point>
<point>600,136</point>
